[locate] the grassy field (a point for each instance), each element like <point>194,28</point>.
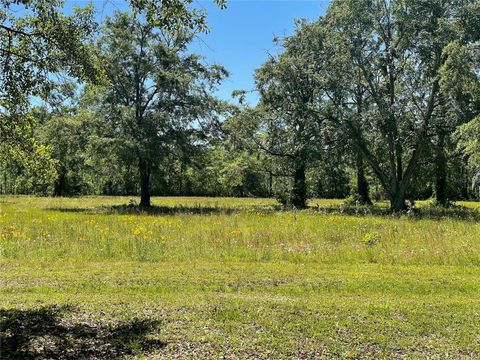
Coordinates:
<point>210,277</point>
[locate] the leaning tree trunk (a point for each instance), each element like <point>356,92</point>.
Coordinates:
<point>363,195</point>
<point>441,172</point>
<point>299,190</point>
<point>144,169</point>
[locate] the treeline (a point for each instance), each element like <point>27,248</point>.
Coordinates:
<point>375,100</point>
<point>82,165</point>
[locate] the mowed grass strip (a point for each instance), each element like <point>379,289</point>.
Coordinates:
<point>253,282</point>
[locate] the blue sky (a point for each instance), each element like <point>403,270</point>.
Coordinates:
<point>241,35</point>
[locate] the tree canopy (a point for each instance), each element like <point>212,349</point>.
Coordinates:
<point>375,99</point>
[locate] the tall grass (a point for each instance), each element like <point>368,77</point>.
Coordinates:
<point>224,229</point>
<point>241,278</point>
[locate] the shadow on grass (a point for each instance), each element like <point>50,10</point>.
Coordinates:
<point>163,210</point>
<point>45,333</point>
<point>425,212</point>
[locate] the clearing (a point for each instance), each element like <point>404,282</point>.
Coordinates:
<point>209,277</point>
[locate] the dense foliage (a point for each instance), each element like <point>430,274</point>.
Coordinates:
<point>374,100</point>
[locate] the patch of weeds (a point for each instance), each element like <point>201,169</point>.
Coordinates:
<point>371,238</point>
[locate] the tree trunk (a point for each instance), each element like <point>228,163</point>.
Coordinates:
<point>180,192</point>
<point>397,198</point>
<point>4,188</point>
<point>363,195</point>
<point>144,168</point>
<point>59,185</point>
<point>441,172</point>
<point>465,184</point>
<point>270,183</point>
<point>299,191</point>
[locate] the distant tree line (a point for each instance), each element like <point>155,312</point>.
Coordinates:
<point>375,100</point>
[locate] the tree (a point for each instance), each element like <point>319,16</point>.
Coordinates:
<point>38,42</point>
<point>290,111</point>
<point>41,42</point>
<point>397,49</point>
<point>68,136</point>
<point>25,164</point>
<point>469,144</point>
<point>158,94</point>
<point>460,92</point>
<point>173,14</point>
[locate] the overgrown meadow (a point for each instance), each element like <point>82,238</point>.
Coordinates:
<point>241,278</point>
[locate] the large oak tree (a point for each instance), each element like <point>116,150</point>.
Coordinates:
<point>397,50</point>
<point>159,94</point>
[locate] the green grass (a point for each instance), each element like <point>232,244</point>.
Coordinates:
<point>239,278</point>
